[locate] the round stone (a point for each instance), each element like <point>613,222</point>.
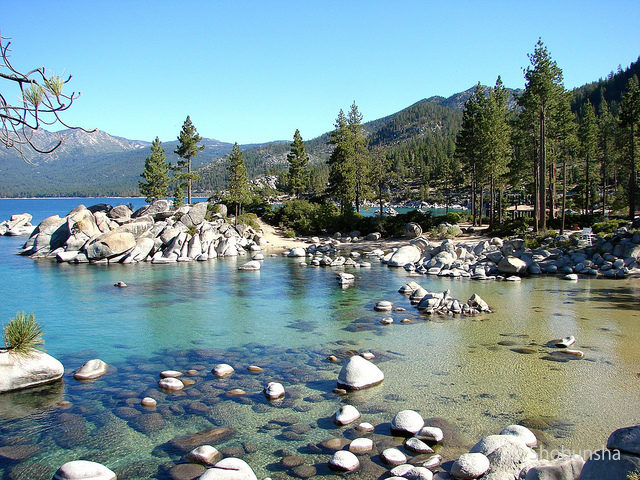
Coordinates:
<point>347,414</point>
<point>430,434</point>
<point>205,455</point>
<point>222,370</point>
<point>186,471</point>
<point>361,445</point>
<point>416,445</point>
<point>523,433</point>
<point>359,373</point>
<point>170,374</point>
<point>255,369</point>
<point>383,306</point>
<point>469,466</point>
<point>386,321</point>
<point>407,422</point>
<point>172,384</point>
<point>148,402</point>
<point>393,456</point>
<point>83,470</point>
<point>274,390</point>
<point>364,427</point>
<point>237,392</point>
<point>344,461</point>
<point>367,355</point>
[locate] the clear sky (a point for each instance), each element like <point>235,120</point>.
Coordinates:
<point>254,71</point>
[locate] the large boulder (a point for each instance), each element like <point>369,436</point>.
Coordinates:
<point>412,230</point>
<point>563,468</point>
<point>110,245</point>
<point>83,470</point>
<point>359,373</point>
<point>120,213</point>
<point>229,469</point>
<point>52,233</point>
<point>90,370</point>
<point>19,220</point>
<point>159,209</point>
<point>407,422</point>
<point>612,465</point>
<point>512,265</point>
<point>23,371</point>
<point>469,466</point>
<point>195,215</point>
<point>405,254</point>
<point>626,440</point>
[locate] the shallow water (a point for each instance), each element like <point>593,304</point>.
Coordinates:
<point>470,373</point>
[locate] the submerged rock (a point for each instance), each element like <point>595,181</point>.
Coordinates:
<point>344,461</point>
<point>92,369</point>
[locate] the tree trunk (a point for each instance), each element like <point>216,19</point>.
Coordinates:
<point>552,189</point>
<point>543,170</point>
<point>564,193</point>
<point>536,195</point>
<point>632,176</point>
<point>604,185</point>
<point>189,181</point>
<point>492,204</point>
<point>481,203</point>
<point>586,185</point>
<point>473,196</point>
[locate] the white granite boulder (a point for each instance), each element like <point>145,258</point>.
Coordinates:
<point>23,371</point>
<point>110,245</point>
<point>469,466</point>
<point>346,414</point>
<point>523,433</point>
<point>222,370</point>
<point>83,470</point>
<point>407,422</point>
<point>204,455</point>
<point>92,369</point>
<point>229,469</point>
<point>274,390</point>
<point>359,373</point>
<point>344,461</point>
<point>251,265</point>
<point>405,254</point>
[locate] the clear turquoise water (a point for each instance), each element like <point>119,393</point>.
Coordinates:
<point>288,319</point>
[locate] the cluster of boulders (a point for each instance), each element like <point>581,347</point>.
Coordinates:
<point>510,259</point>
<point>442,302</point>
<point>510,455</point>
<point>18,225</point>
<point>325,255</point>
<point>157,233</point>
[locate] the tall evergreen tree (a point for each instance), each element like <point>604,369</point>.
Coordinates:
<point>629,122</point>
<point>187,149</point>
<point>238,180</point>
<point>155,174</point>
<point>542,91</point>
<point>606,138</point>
<point>298,160</point>
<point>357,137</point>
<point>380,176</point>
<point>342,173</point>
<point>497,150</point>
<point>469,145</point>
<point>588,135</point>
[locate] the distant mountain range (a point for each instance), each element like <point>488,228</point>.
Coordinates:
<point>97,164</point>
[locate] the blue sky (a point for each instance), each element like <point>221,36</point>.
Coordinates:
<point>254,71</point>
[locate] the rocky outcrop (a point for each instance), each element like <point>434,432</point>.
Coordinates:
<point>18,225</point>
<point>24,371</point>
<point>156,233</point>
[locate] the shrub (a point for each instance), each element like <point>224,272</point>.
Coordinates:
<point>289,233</point>
<point>608,226</point>
<point>450,217</point>
<point>443,231</point>
<point>250,219</point>
<point>23,334</point>
<point>192,230</point>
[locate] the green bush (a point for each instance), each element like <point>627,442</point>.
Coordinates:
<point>250,219</point>
<point>443,231</point>
<point>451,217</point>
<point>608,226</point>
<point>192,230</point>
<point>23,334</point>
<point>304,217</point>
<point>289,233</point>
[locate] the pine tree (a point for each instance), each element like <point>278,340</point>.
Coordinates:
<point>380,176</point>
<point>497,148</point>
<point>342,171</point>
<point>629,123</point>
<point>155,174</point>
<point>588,135</point>
<point>238,180</point>
<point>298,159</point>
<point>357,137</point>
<point>542,91</point>
<point>187,149</point>
<point>606,137</point>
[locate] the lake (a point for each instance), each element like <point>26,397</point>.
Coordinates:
<point>473,376</point>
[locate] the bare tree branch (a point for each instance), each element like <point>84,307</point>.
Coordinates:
<point>42,101</point>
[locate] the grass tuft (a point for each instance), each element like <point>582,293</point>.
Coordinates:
<point>23,334</point>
